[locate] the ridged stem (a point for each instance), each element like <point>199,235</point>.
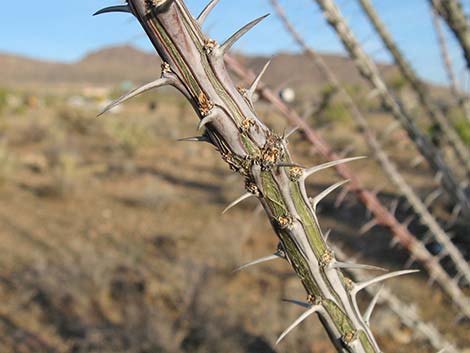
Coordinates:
<point>196,64</point>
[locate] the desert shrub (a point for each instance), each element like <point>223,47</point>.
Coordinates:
<point>129,136</point>
<point>335,112</point>
<point>463,129</point>
<point>397,82</point>
<point>78,120</point>
<point>3,99</point>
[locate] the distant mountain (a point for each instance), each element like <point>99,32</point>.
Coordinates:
<point>112,65</point>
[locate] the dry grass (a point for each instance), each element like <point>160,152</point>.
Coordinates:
<point>112,241</point>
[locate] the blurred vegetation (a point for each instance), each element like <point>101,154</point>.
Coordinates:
<point>396,82</point>
<point>463,129</point>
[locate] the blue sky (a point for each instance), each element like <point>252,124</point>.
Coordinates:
<point>53,30</point>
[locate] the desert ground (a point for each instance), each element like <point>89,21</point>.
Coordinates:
<point>112,237</point>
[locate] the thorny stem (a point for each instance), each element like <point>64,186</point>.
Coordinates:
<point>194,64</point>
<point>390,169</point>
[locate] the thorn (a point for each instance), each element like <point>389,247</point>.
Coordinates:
<point>327,235</point>
<point>251,91</point>
<point>291,132</point>
<point>454,216</point>
<point>117,8</point>
<point>394,242</point>
<point>347,150</point>
<point>206,11</point>
<point>352,266</point>
<point>237,201</point>
<point>410,261</point>
<point>202,138</point>
<point>340,199</point>
<point>313,309</point>
<point>361,285</point>
<point>231,41</point>
<point>316,200</point>
<point>289,165</point>
<point>368,226</point>
<point>206,120</point>
<point>277,255</point>
<point>371,307</point>
<point>406,223</point>
<point>297,302</point>
<point>155,84</point>
<point>393,207</point>
<point>320,167</point>
<point>432,197</point>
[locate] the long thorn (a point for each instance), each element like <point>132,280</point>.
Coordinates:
<point>231,41</point>
<point>313,309</point>
<point>147,87</point>
<point>274,256</point>
<point>297,302</point>
<point>371,306</point>
<point>361,285</point>
<point>117,8</point>
<point>251,91</point>
<point>206,11</point>
<point>202,138</point>
<point>320,167</point>
<point>316,200</point>
<point>352,266</point>
<point>237,201</point>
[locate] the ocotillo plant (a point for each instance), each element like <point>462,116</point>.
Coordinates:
<point>462,100</point>
<point>194,64</point>
<point>452,12</point>
<point>392,173</point>
<point>370,72</point>
<point>381,216</point>
<point>436,115</point>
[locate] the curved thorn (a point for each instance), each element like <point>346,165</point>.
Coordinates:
<point>237,201</point>
<point>327,235</point>
<point>231,41</point>
<point>352,266</point>
<point>361,285</point>
<point>251,91</point>
<point>371,306</point>
<point>116,8</point>
<point>320,167</point>
<point>313,309</point>
<point>274,256</point>
<point>297,302</point>
<point>147,87</point>
<point>316,200</point>
<point>206,120</point>
<point>202,138</point>
<point>206,11</point>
